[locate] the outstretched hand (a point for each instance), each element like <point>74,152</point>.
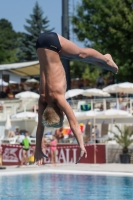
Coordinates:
<point>83,152</point>
<point>39,155</point>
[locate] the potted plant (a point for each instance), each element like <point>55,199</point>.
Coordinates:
<point>124,139</point>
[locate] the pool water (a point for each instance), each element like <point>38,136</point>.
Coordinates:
<point>65,187</point>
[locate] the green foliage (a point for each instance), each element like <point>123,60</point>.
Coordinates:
<point>35,26</point>
<point>107,25</point>
<point>125,138</point>
<point>8,42</point>
<point>83,70</point>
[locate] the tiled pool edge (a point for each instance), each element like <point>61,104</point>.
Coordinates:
<point>53,171</point>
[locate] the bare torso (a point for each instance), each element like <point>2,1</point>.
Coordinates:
<point>52,75</point>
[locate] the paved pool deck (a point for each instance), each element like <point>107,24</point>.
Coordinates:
<point>95,169</point>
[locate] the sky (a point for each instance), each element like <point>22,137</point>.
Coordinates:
<point>17,12</point>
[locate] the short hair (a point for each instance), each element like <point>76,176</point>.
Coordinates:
<point>52,117</point>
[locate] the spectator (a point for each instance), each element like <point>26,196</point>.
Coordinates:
<point>93,133</point>
<point>11,134</point>
<point>53,146</point>
<point>59,134</point>
<point>97,134</point>
<point>17,131</point>
<point>44,144</point>
<point>110,79</point>
<point>7,90</point>
<point>35,108</point>
<point>100,81</point>
<point>26,145</point>
<point>120,105</point>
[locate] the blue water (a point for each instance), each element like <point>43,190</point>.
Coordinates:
<point>65,187</point>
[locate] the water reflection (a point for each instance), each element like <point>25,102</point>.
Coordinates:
<point>65,187</point>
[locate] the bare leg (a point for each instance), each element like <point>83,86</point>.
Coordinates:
<point>54,152</point>
<point>23,157</point>
<point>72,51</point>
<point>27,159</point>
<point>52,157</point>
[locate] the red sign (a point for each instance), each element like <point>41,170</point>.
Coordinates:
<point>65,153</point>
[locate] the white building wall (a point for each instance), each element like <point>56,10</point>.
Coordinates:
<point>12,76</point>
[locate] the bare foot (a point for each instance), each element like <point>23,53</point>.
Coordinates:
<point>108,64</point>
<point>111,64</point>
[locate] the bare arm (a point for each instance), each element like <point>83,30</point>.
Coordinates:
<point>66,108</point>
<point>40,127</point>
<point>39,134</point>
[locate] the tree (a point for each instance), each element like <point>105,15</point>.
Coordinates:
<point>107,25</point>
<point>83,70</point>
<point>8,42</point>
<point>36,25</point>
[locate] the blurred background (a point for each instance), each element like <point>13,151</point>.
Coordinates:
<point>106,26</point>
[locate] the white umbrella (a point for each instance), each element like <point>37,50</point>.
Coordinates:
<point>8,123</point>
<point>32,80</point>
<point>3,83</point>
<point>24,115</point>
<point>73,92</point>
<point>95,92</point>
<point>126,87</point>
<point>12,82</point>
<point>111,88</point>
<point>112,113</point>
<point>83,115</point>
<point>27,94</point>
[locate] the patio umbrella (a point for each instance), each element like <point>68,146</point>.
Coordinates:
<point>3,83</point>
<point>8,123</point>
<point>112,113</point>
<point>32,80</point>
<point>27,94</point>
<point>125,87</point>
<point>24,115</point>
<point>12,82</point>
<point>83,115</point>
<point>111,88</point>
<point>95,92</point>
<point>73,93</point>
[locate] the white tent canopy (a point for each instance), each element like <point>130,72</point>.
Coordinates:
<point>23,69</point>
<point>27,94</point>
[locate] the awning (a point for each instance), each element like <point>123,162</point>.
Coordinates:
<point>23,69</point>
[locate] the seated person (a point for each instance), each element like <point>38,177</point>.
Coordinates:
<point>11,134</point>
<point>17,131</point>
